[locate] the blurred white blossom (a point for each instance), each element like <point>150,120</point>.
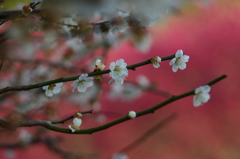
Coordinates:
<point>118,71</point>
<point>82,83</point>
<point>119,156</point>
<point>126,92</point>
<point>132,114</point>
<point>155,61</point>
<point>201,95</point>
<point>75,125</point>
<point>52,89</point>
<point>143,81</point>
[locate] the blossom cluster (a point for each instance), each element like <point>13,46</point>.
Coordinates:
<point>118,72</point>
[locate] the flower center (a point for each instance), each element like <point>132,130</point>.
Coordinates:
<point>117,69</point>
<point>80,82</point>
<point>51,86</point>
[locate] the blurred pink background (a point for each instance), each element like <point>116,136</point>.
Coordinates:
<point>210,35</point>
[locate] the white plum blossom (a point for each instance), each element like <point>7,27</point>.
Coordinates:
<point>75,125</point>
<point>52,89</point>
<point>119,156</point>
<point>201,95</point>
<point>82,83</point>
<point>118,71</point>
<point>132,114</point>
<point>155,61</point>
<point>179,62</point>
<point>99,66</point>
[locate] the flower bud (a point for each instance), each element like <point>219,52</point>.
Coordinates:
<point>132,114</point>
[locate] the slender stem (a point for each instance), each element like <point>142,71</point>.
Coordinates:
<point>39,85</point>
<point>48,125</point>
<point>68,118</point>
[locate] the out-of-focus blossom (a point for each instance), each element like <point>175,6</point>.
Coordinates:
<point>26,10</point>
<point>140,38</point>
<point>126,92</point>
<point>119,156</point>
<point>75,44</point>
<point>99,66</point>
<point>75,125</point>
<point>143,81</point>
<point>132,114</point>
<point>201,95</point>
<point>179,62</point>
<point>155,61</point>
<point>118,71</point>
<point>82,83</point>
<point>52,89</point>
<point>25,136</point>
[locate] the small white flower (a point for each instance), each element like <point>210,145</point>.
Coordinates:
<point>119,156</point>
<point>75,125</point>
<point>202,95</point>
<point>132,114</point>
<point>99,66</point>
<point>52,89</point>
<point>118,71</point>
<point>82,83</point>
<point>155,61</point>
<point>179,62</point>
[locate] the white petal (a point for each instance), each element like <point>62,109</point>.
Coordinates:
<point>77,122</point>
<point>174,68</point>
<point>156,65</point>
<point>49,93</point>
<point>112,66</point>
<point>196,102</point>
<point>120,62</point>
<point>73,130</point>
<point>182,66</point>
<point>45,87</point>
<point>59,84</point>
<point>111,81</point>
<point>82,76</point>
<point>206,88</point>
<point>172,62</point>
<point>185,58</point>
<point>179,53</point>
<point>81,88</point>
<point>56,90</point>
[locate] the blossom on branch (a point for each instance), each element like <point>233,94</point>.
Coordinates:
<point>179,62</point>
<point>75,125</point>
<point>201,95</point>
<point>99,66</point>
<point>132,114</point>
<point>82,83</point>
<point>26,10</point>
<point>52,89</point>
<point>118,71</point>
<point>155,61</point>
